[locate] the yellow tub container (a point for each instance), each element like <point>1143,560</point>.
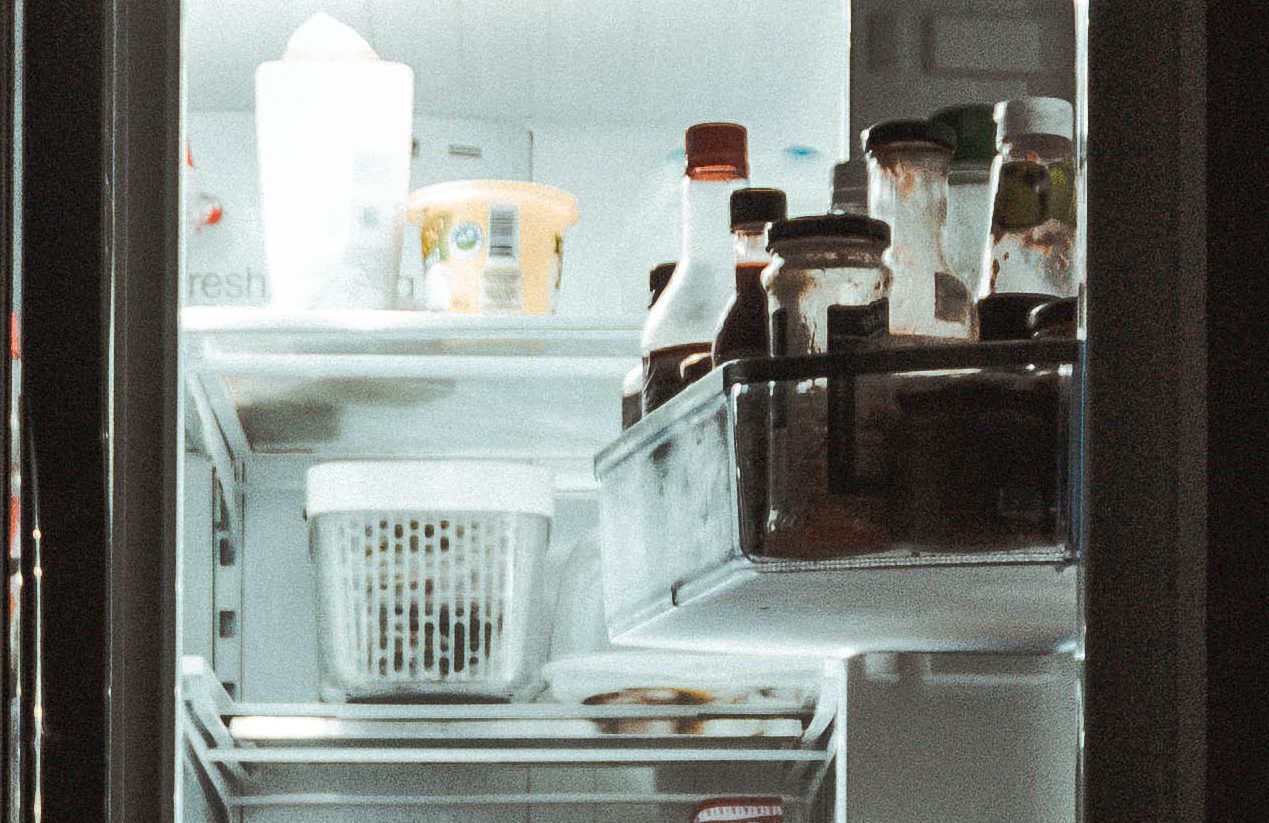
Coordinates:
<point>490,246</point>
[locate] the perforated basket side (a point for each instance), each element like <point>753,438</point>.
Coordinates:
<point>423,597</point>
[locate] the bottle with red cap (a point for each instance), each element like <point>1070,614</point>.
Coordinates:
<point>684,320</point>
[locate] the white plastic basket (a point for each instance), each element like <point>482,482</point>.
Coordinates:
<point>428,580</point>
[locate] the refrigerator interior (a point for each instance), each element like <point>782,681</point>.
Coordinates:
<point>591,98</point>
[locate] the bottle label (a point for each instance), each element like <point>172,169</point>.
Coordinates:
<point>779,335</point>
<point>847,323</point>
<point>504,231</point>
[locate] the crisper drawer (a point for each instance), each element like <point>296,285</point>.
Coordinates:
<point>900,498</point>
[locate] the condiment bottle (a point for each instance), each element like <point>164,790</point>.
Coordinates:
<point>1005,316</point>
<point>850,188</point>
<point>683,321</point>
<point>969,191</point>
<point>827,290</point>
<point>1033,216</point>
<point>743,331</point>
<point>907,189</point>
<point>1055,318</point>
<point>632,385</point>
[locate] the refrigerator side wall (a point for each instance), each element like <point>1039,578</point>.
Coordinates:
<point>144,436</point>
<point>65,383</point>
<point>1146,560</point>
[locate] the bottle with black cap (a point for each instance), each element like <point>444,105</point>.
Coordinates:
<point>632,385</point>
<point>969,191</point>
<point>908,164</point>
<point>743,330</point>
<point>850,188</point>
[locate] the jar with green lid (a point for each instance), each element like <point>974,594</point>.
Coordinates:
<point>969,190</point>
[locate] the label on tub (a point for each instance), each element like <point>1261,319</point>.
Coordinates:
<point>466,240</point>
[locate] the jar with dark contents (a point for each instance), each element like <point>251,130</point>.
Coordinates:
<point>977,461</point>
<point>827,290</point>
<point>979,458</point>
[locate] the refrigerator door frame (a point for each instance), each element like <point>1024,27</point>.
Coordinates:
<point>1145,745</point>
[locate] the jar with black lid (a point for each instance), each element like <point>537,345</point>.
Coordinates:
<point>827,291</point>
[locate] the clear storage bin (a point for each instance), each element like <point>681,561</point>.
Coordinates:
<point>429,579</point>
<point>938,511</point>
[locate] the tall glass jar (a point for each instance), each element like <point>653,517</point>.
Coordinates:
<point>1033,217</point>
<point>827,290</point>
<point>908,164</point>
<point>969,191</point>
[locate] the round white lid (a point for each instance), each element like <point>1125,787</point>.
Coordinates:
<point>1034,115</point>
<point>429,485</point>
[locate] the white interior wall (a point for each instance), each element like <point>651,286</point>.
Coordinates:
<point>626,178</point>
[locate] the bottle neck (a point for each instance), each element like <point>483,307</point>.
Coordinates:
<point>750,244</point>
<point>853,200</point>
<point>706,213</point>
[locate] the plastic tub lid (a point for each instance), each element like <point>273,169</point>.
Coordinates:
<point>541,198</point>
<point>429,485</point>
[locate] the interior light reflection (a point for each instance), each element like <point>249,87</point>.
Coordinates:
<point>283,728</point>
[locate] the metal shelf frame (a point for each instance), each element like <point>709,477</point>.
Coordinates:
<point>254,755</point>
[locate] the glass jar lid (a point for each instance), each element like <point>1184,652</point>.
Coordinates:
<point>909,131</point>
<point>829,226</point>
<point>975,128</point>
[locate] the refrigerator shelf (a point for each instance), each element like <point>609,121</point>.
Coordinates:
<point>262,756</point>
<point>684,503</point>
<point>366,384</point>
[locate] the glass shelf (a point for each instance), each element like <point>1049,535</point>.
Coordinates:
<point>529,754</point>
<point>394,384</point>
